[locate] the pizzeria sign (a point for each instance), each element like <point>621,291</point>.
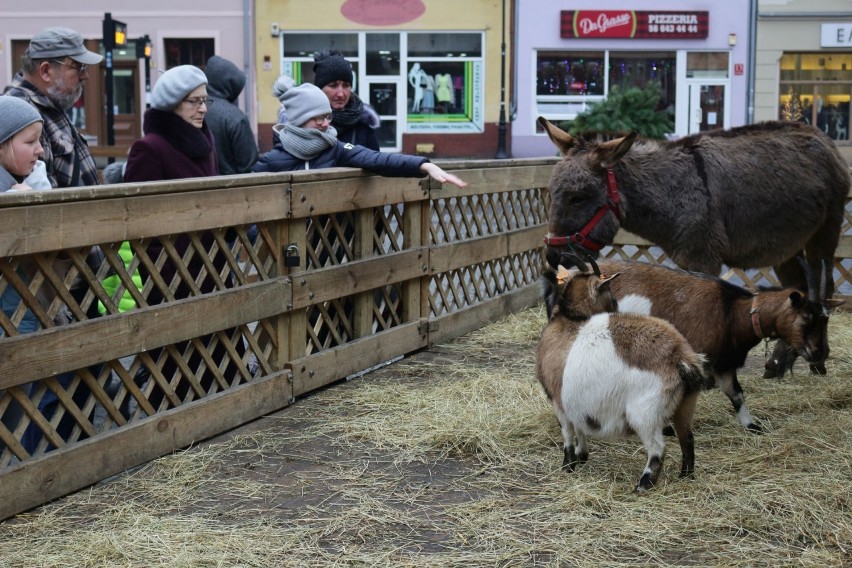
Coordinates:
<point>633,24</point>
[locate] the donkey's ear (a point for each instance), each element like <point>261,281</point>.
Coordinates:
<point>610,152</point>
<point>563,141</point>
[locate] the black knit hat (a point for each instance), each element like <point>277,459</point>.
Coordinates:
<point>331,66</point>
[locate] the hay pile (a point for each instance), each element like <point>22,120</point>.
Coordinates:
<point>451,458</point>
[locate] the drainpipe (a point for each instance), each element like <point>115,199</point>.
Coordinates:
<point>249,92</point>
<point>752,61</point>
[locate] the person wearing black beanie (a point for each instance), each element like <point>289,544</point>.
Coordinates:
<point>355,122</point>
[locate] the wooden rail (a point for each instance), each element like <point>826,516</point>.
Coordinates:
<point>255,290</point>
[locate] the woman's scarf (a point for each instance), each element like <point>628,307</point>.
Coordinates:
<point>306,143</point>
<point>195,143</point>
<point>350,114</point>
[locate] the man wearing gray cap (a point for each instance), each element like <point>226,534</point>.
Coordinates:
<point>51,79</point>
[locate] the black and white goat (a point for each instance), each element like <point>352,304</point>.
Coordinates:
<point>724,321</point>
<point>612,374</point>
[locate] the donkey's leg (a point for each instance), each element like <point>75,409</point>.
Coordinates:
<point>682,422</point>
<point>728,384</point>
<point>821,248</point>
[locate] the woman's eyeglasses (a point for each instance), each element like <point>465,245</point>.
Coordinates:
<point>322,119</point>
<point>199,101</point>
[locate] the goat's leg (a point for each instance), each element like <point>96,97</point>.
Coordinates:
<point>569,456</point>
<point>730,386</point>
<point>682,422</point>
<point>582,447</point>
<point>652,439</point>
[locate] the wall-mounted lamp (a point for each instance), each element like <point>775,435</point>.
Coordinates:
<point>732,39</point>
<point>275,29</point>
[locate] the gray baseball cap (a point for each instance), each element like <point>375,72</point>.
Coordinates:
<point>61,42</point>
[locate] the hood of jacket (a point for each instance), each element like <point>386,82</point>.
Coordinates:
<point>224,79</point>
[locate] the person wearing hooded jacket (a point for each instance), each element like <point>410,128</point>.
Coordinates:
<point>236,146</point>
<point>354,121</point>
<point>308,141</point>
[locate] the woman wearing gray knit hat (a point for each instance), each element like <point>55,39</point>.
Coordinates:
<point>177,145</point>
<point>309,141</point>
<point>355,121</point>
<point>20,146</point>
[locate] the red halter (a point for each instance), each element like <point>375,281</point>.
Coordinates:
<point>582,236</point>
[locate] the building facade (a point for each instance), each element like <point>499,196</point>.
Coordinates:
<point>572,55</point>
<point>178,35</point>
<point>430,68</point>
<point>804,65</point>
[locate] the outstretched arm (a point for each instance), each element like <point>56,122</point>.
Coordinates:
<point>440,175</point>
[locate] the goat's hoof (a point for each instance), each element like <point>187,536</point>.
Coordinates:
<point>644,484</point>
<point>570,467</point>
<point>754,428</point>
<point>668,430</point>
<point>818,369</point>
<point>687,473</point>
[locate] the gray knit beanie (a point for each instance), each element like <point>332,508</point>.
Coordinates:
<point>304,102</point>
<point>15,115</point>
<point>173,86</point>
<point>330,67</point>
<point>282,84</point>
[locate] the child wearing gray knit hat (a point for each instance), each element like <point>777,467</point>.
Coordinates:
<point>304,102</point>
<point>15,115</point>
<point>174,85</point>
<point>17,171</point>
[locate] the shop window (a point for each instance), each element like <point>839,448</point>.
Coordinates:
<point>569,83</point>
<point>707,65</point>
<point>815,88</point>
<point>188,51</point>
<point>383,54</point>
<point>444,82</point>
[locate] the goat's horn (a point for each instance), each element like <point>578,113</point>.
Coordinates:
<point>594,264</point>
<point>810,279</point>
<point>575,260</point>
<point>823,284</point>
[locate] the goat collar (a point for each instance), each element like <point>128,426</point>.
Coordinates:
<point>613,200</point>
<point>755,317</point>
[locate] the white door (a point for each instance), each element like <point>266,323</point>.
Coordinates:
<point>708,107</point>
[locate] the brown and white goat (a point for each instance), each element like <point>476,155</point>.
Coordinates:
<point>724,321</point>
<point>612,374</point>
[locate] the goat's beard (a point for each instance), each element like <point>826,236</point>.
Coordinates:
<point>60,97</point>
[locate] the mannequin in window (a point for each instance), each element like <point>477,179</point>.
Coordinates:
<point>444,92</point>
<point>424,89</point>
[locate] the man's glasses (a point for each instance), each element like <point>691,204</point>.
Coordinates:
<point>322,119</point>
<point>80,69</point>
<point>199,101</point>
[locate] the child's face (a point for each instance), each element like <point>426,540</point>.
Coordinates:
<point>24,150</point>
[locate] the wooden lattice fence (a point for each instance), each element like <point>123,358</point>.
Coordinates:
<point>142,318</point>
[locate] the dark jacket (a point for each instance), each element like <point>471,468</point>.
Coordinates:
<point>342,155</point>
<point>363,131</point>
<point>173,149</point>
<point>236,145</point>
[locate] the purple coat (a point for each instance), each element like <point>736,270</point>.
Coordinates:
<point>172,148</point>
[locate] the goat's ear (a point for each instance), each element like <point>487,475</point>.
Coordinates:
<point>605,279</point>
<point>797,298</point>
<point>603,282</point>
<point>832,303</point>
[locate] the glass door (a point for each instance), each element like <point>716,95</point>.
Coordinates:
<point>708,107</point>
<point>384,96</point>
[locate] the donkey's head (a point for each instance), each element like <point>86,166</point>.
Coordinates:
<point>584,199</point>
<point>577,293</point>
